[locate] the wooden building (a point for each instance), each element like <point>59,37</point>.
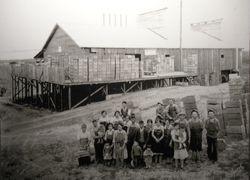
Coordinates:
<point>66,68</point>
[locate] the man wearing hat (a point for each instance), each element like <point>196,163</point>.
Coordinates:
<point>132,132</point>
<point>212,126</point>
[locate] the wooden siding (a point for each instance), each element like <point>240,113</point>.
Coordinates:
<point>97,64</point>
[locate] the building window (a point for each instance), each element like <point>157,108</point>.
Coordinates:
<point>222,56</point>
<point>167,55</point>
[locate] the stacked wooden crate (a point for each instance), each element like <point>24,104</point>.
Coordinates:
<point>245,103</point>
<point>236,88</point>
<point>233,118</point>
<point>245,71</point>
<point>164,64</point>
<point>190,64</point>
<point>31,71</point>
<point>93,70</point>
<point>16,69</point>
<point>189,103</point>
<point>83,70</point>
<point>128,67</point>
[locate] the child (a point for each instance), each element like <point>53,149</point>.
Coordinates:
<point>84,140</point>
<point>136,155</point>
<point>107,154</point>
<point>109,134</point>
<point>119,141</point>
<point>99,143</point>
<point>148,155</point>
<point>179,137</point>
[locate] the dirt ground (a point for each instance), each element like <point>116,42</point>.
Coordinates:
<point>39,144</point>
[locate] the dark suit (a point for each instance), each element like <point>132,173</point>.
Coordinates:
<point>142,137</point>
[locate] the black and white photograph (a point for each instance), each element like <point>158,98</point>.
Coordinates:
<point>124,89</point>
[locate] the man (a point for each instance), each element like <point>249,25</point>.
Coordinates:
<point>159,109</point>
<point>171,110</point>
<point>212,126</point>
<point>142,135</point>
<point>125,112</point>
<point>132,132</point>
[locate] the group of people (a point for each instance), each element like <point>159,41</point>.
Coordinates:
<point>123,141</point>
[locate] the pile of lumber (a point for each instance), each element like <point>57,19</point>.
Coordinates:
<point>189,104</point>
<point>236,87</point>
<point>245,71</point>
<point>233,119</point>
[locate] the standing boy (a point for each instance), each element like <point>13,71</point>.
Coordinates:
<point>212,126</point>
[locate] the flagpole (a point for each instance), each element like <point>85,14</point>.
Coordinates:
<point>181,35</point>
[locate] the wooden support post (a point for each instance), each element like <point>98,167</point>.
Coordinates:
<point>22,92</point>
<point>89,93</point>
<point>69,97</point>
<point>48,93</point>
<point>37,92</point>
<point>124,88</point>
<point>12,88</point>
<point>17,88</point>
<point>61,97</point>
<point>42,93</point>
<point>141,87</point>
<point>54,87</point>
<point>31,91</point>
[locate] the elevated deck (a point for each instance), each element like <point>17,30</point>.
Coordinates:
<point>59,94</point>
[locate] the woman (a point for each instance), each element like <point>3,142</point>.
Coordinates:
<point>196,128</point>
<point>158,140</point>
<point>117,119</point>
<point>179,137</point>
<point>84,139</point>
<point>119,142</point>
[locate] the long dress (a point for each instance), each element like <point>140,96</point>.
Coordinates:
<point>184,124</point>
<point>109,136</point>
<point>196,128</point>
<point>83,154</point>
<point>158,147</point>
<point>180,151</point>
<point>120,139</point>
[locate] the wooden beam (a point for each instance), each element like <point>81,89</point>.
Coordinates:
<point>12,88</point>
<point>52,103</point>
<point>131,87</point>
<point>86,98</point>
<point>61,97</point>
<point>69,97</point>
<point>37,92</point>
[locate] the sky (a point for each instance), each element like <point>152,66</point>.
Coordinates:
<point>26,24</point>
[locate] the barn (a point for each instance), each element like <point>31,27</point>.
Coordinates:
<point>69,73</point>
